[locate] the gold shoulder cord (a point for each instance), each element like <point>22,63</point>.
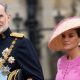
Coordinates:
<point>13,74</point>
<point>6,54</point>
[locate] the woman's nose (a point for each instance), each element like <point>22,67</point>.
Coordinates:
<point>65,38</point>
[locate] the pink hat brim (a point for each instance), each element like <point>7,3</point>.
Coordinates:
<point>66,24</point>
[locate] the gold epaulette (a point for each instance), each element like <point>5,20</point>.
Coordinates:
<point>18,35</point>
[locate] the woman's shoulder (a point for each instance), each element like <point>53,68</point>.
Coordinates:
<point>61,61</point>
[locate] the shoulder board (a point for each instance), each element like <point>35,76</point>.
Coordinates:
<point>18,35</point>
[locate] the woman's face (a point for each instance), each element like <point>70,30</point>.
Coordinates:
<point>70,39</point>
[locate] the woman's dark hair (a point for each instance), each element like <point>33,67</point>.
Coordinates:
<point>78,31</point>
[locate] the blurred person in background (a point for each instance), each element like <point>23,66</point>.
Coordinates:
<point>66,38</point>
<point>18,58</point>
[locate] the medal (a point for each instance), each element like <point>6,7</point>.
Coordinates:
<point>5,53</point>
<point>11,60</point>
<point>5,70</point>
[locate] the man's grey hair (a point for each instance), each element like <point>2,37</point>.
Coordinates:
<point>5,6</point>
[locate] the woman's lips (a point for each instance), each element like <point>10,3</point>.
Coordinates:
<point>66,43</point>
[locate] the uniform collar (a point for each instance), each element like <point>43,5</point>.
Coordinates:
<point>5,34</point>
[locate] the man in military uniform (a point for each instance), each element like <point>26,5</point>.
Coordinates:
<point>18,59</point>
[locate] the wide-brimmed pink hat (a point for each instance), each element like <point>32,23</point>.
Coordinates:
<point>55,42</point>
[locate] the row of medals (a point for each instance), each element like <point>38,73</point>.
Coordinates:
<point>5,70</point>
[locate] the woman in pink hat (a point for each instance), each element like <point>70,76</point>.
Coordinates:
<point>66,37</point>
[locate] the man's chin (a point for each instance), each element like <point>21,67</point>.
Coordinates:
<point>3,29</point>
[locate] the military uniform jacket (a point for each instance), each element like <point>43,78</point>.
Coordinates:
<point>18,58</point>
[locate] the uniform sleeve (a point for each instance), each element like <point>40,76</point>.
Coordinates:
<point>28,61</point>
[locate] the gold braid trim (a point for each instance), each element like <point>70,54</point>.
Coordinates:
<point>13,74</point>
<point>18,35</point>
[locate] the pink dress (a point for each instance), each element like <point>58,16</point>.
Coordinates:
<point>68,69</point>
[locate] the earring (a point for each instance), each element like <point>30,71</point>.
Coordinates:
<point>79,44</point>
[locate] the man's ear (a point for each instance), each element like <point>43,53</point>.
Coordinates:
<point>9,17</point>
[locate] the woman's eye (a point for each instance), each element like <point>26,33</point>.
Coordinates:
<point>63,36</point>
<point>71,35</point>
